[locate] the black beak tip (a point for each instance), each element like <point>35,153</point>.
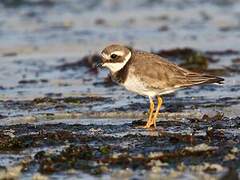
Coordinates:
<point>99,65</point>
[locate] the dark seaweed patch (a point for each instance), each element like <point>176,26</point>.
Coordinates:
<point>17,3</point>
<point>223,53</point>
<point>100,153</point>
<point>190,58</point>
<point>87,61</point>
<point>48,102</point>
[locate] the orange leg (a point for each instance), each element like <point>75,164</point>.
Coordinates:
<point>154,119</point>
<point>151,109</point>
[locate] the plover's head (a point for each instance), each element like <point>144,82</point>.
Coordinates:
<point>115,57</point>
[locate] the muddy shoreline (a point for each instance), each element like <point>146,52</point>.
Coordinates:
<point>100,136</point>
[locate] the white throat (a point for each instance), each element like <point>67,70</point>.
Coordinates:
<point>114,67</point>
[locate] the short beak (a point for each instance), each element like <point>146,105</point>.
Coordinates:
<point>99,65</point>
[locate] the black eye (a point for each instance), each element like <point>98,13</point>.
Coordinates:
<point>113,56</point>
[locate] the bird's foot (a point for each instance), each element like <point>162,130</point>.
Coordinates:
<point>149,124</point>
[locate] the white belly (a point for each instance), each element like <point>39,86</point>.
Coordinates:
<point>134,84</point>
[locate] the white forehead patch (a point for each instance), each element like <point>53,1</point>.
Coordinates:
<point>105,56</point>
<point>114,67</point>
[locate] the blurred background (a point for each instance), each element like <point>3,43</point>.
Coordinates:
<point>80,27</point>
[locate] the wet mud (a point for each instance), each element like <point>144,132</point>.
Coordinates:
<point>100,136</point>
<point>102,149</point>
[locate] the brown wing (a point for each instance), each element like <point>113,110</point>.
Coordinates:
<point>162,74</point>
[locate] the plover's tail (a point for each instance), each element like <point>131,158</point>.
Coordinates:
<point>213,79</point>
<point>197,79</point>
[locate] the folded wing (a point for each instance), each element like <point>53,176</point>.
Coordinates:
<point>162,74</point>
